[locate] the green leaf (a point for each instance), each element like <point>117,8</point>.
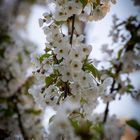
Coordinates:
<point>49,80</point>
<point>134,124</point>
<point>20,61</point>
<point>93,70</point>
<point>109,72</point>
<point>129,88</point>
<point>82,100</point>
<point>98,1</point>
<point>59,22</point>
<point>8,112</point>
<point>47,49</point>
<point>42,57</point>
<point>99,129</point>
<point>2,52</point>
<point>26,52</point>
<point>75,123</point>
<point>5,38</point>
<point>84,2</point>
<point>119,53</point>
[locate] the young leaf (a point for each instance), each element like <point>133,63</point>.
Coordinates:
<point>42,57</point>
<point>8,112</point>
<point>49,80</point>
<point>129,88</point>
<point>119,53</point>
<point>84,2</point>
<point>2,50</point>
<point>93,70</point>
<point>75,124</point>
<point>99,129</point>
<point>5,38</point>
<point>33,111</point>
<point>20,61</point>
<point>134,124</point>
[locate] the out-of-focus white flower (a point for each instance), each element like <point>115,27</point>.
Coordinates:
<point>88,8</point>
<point>113,128</point>
<point>107,82</point>
<point>46,30</point>
<point>77,40</point>
<point>41,22</point>
<point>83,16</point>
<point>113,1</point>
<point>61,127</point>
<point>60,15</point>
<point>35,91</point>
<point>97,118</point>
<point>99,12</point>
<point>73,8</point>
<point>47,17</point>
<point>86,49</point>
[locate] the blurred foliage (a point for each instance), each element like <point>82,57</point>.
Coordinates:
<point>134,124</point>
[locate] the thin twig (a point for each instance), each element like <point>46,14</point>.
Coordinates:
<point>107,105</point>
<point>72,30</point>
<point>118,69</point>
<point>106,112</point>
<point>20,121</point>
<point>14,100</point>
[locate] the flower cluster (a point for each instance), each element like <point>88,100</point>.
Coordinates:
<point>87,10</point>
<point>65,70</point>
<point>66,78</point>
<point>12,74</point>
<point>127,49</point>
<point>20,119</point>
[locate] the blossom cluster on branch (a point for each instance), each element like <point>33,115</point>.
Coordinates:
<point>67,80</point>
<point>124,55</point>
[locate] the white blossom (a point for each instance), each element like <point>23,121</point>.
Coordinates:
<point>61,52</point>
<point>51,95</point>
<point>35,91</point>
<point>113,128</point>
<point>76,66</point>
<point>75,54</point>
<point>75,88</point>
<point>40,22</point>
<point>99,12</point>
<point>66,74</point>
<point>85,79</point>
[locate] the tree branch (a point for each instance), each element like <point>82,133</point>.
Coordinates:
<point>107,105</point>
<point>118,69</point>
<point>20,120</point>
<point>72,30</point>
